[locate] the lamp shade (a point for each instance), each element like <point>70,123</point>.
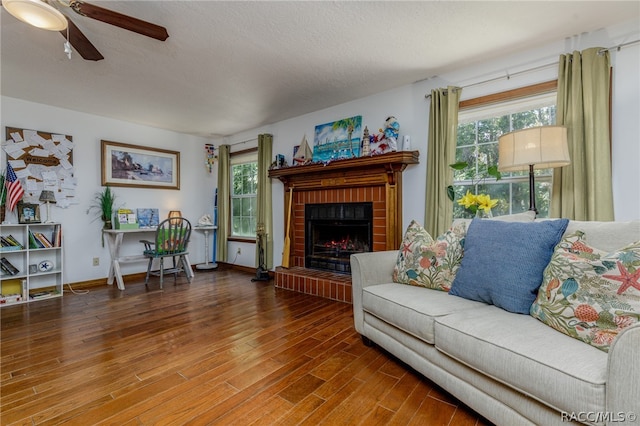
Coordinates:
<point>36,13</point>
<point>173,214</point>
<point>541,147</point>
<point>47,197</point>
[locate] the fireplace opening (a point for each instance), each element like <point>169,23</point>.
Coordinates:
<point>336,231</point>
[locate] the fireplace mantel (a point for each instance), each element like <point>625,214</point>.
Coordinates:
<point>352,172</point>
<point>376,179</point>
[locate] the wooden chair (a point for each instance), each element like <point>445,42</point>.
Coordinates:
<point>171,240</point>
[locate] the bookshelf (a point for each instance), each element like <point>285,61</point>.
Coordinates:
<point>30,262</point>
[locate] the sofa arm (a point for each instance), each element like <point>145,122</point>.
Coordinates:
<point>369,269</point>
<point>623,391</point>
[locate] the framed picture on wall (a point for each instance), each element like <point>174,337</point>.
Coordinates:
<point>139,166</point>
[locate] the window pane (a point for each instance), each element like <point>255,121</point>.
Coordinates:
<point>477,145</point>
<point>466,134</point>
<point>244,187</point>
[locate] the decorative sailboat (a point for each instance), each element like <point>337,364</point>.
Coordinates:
<point>304,154</point>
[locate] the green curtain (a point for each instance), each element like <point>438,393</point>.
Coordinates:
<point>441,151</point>
<point>264,204</point>
<point>583,190</point>
<point>224,213</point>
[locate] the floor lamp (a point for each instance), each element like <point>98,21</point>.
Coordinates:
<point>540,147</point>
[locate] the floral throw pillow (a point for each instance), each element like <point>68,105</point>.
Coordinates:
<point>423,261</point>
<point>589,294</point>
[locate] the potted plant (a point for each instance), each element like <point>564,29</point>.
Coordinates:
<point>102,206</point>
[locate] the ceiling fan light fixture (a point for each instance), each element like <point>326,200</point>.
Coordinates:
<point>36,13</point>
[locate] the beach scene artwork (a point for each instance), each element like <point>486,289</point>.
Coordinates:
<point>337,140</point>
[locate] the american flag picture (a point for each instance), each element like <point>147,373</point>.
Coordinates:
<point>15,191</point>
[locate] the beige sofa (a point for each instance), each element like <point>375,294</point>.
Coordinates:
<point>510,368</point>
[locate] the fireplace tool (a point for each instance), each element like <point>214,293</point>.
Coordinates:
<point>262,274</point>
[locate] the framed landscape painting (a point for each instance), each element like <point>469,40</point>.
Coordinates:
<point>140,167</point>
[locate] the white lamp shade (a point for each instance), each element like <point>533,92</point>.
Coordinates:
<point>36,13</point>
<point>543,147</point>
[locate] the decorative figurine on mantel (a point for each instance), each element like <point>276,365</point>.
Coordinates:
<point>304,154</point>
<point>366,149</point>
<point>386,140</point>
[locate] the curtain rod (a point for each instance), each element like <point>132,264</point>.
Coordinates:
<point>241,142</point>
<point>508,76</point>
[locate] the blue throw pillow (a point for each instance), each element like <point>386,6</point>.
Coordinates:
<point>503,262</point>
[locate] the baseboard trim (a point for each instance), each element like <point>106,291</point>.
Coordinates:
<point>100,282</point>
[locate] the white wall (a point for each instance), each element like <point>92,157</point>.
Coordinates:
<point>82,237</point>
<point>409,106</point>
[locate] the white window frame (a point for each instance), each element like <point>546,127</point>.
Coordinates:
<point>544,177</point>
<point>235,160</point>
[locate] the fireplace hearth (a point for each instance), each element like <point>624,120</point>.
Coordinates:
<point>334,232</point>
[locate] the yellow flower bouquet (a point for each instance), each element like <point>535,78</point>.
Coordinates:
<point>478,203</point>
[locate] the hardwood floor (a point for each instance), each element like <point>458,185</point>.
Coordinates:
<point>221,350</point>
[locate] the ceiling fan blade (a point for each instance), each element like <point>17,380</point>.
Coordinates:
<point>81,43</point>
<point>119,20</point>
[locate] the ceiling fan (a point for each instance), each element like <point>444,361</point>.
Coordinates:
<point>35,11</point>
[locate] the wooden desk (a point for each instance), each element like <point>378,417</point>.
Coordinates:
<point>114,240</point>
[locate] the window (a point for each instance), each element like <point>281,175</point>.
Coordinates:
<point>477,144</point>
<point>244,186</point>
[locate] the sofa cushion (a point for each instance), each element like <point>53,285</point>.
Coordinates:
<point>428,263</point>
<point>503,262</point>
<point>589,294</point>
<point>526,355</point>
<point>412,309</point>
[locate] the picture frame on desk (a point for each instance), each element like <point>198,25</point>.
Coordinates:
<point>139,166</point>
<point>28,213</point>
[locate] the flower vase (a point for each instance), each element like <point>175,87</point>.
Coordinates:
<point>482,214</point>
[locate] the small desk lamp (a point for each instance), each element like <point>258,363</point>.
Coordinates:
<point>174,214</point>
<point>540,147</point>
<point>48,197</point>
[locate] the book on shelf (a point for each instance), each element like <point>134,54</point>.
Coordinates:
<point>10,298</point>
<point>10,242</point>
<point>13,241</point>
<point>34,243</point>
<point>7,267</point>
<point>41,294</point>
<point>43,239</point>
<point>56,236</point>
<point>13,290</point>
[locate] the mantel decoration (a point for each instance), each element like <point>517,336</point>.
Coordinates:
<point>139,166</point>
<point>386,140</point>
<point>334,141</point>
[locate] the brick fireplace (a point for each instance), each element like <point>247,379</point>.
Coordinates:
<point>376,180</point>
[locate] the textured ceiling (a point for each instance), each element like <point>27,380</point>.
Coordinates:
<point>233,66</point>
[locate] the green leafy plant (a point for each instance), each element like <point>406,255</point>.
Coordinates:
<point>461,165</point>
<point>103,205</point>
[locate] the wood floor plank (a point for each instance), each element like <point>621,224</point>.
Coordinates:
<point>221,350</point>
